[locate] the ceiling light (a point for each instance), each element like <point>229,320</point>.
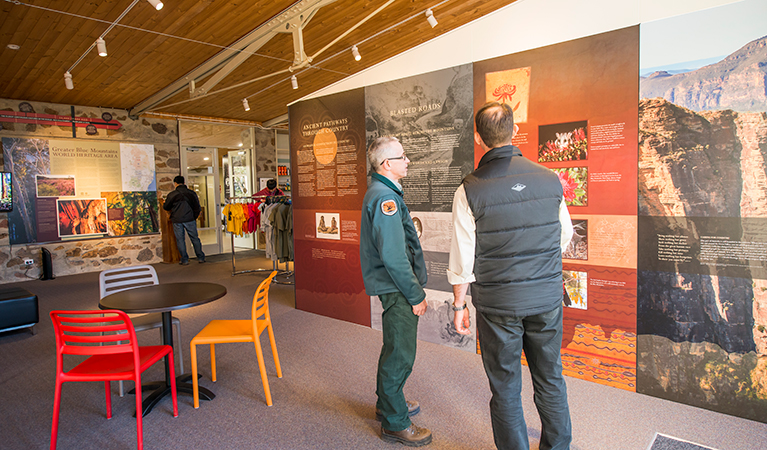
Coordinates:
<point>206,159</point>
<point>245,104</point>
<point>13,46</point>
<point>68,81</point>
<point>239,145</point>
<point>356,53</point>
<point>430,18</point>
<point>294,82</point>
<point>156,3</point>
<point>101,46</point>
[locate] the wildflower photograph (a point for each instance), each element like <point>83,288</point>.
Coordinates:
<point>574,184</point>
<point>55,185</point>
<point>563,142</point>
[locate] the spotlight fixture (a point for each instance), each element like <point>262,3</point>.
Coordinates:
<point>101,46</point>
<point>245,105</point>
<point>294,82</point>
<point>356,53</point>
<point>68,81</point>
<point>156,3</point>
<point>13,46</point>
<point>430,18</point>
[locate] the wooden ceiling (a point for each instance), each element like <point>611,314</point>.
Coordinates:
<point>149,50</point>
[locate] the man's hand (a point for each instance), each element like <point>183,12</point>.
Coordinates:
<point>462,322</point>
<point>420,308</point>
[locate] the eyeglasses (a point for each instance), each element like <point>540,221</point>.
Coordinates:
<point>398,157</point>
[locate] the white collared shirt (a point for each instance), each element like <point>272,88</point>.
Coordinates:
<point>461,264</point>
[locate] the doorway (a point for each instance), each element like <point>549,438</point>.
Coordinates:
<point>200,166</point>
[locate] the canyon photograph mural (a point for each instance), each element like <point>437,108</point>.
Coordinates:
<point>702,180</point>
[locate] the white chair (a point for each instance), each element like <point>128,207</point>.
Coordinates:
<point>124,278</point>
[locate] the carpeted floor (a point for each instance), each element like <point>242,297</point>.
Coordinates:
<point>325,399</point>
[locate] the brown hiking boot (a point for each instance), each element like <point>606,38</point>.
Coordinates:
<point>412,436</point>
<point>413,408</point>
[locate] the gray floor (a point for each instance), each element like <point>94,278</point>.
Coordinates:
<point>326,396</point>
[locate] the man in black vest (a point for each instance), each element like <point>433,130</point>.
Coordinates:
<point>184,207</point>
<point>510,225</point>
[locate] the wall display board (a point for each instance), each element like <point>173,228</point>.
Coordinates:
<point>328,170</point>
<point>575,105</point>
<point>71,188</point>
<point>702,279</point>
<point>431,115</point>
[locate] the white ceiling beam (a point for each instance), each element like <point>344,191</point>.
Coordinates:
<point>229,59</point>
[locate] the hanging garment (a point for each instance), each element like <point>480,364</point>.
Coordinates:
<point>267,224</point>
<point>229,217</point>
<point>283,224</point>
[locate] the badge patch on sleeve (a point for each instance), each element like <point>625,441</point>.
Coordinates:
<point>389,207</point>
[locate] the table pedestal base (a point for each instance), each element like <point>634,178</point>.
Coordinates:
<point>160,389</point>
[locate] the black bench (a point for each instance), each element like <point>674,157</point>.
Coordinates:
<point>18,309</point>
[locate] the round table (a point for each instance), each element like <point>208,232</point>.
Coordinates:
<point>164,298</point>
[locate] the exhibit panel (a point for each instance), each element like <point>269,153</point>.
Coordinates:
<point>328,170</point>
<point>575,106</point>
<point>431,115</point>
<point>83,172</point>
<point>62,188</point>
<point>702,279</point>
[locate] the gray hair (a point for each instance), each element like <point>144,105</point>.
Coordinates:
<point>379,150</point>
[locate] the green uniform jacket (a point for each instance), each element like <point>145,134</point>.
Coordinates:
<point>390,252</point>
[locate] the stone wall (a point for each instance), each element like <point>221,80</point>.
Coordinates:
<point>88,255</point>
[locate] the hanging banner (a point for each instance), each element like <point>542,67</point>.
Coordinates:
<point>431,115</point>
<point>328,164</point>
<point>575,105</point>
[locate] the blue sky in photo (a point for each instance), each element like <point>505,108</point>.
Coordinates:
<point>691,41</point>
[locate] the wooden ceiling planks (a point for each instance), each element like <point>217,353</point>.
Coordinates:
<point>141,63</point>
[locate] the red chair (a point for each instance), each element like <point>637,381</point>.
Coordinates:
<point>113,353</point>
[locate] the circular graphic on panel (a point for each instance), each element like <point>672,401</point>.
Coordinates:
<point>106,116</point>
<point>325,146</point>
<point>90,129</point>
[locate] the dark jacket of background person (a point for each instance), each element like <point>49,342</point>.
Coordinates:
<point>515,203</point>
<point>183,204</point>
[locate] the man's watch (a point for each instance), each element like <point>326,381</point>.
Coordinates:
<point>459,308</point>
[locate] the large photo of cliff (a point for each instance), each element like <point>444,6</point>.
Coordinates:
<point>702,180</point>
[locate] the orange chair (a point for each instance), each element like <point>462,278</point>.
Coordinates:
<point>227,331</point>
<point>111,356</point>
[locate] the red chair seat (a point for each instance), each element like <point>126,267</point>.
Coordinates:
<point>119,366</point>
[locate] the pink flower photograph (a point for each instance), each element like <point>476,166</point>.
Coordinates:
<point>574,185</point>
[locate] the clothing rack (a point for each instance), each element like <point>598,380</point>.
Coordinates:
<point>285,275</point>
<point>234,269</point>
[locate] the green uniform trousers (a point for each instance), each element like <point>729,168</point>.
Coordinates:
<point>400,335</point>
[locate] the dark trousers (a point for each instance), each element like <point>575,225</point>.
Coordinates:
<point>400,333</point>
<point>502,339</point>
<point>191,230</point>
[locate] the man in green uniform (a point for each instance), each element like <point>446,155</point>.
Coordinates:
<point>393,269</point>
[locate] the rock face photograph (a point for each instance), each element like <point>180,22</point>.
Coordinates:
<point>702,278</point>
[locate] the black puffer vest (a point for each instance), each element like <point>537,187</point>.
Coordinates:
<point>518,259</point>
